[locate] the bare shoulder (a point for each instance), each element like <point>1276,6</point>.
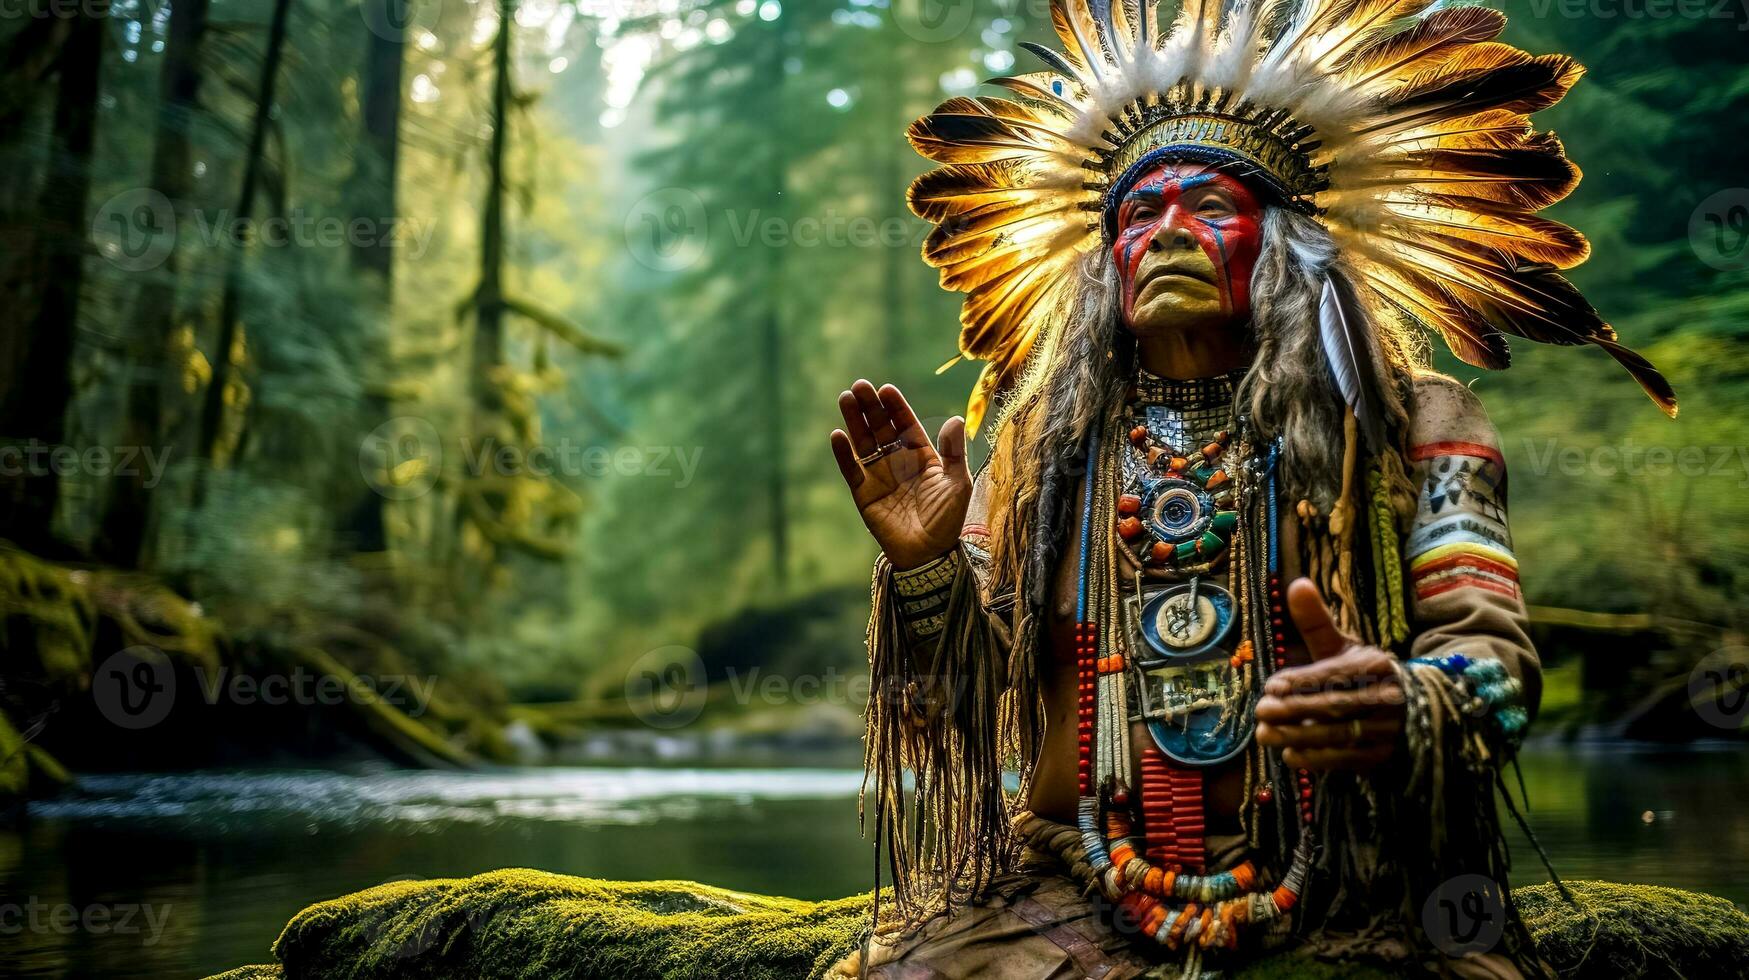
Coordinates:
<point>1443,410</point>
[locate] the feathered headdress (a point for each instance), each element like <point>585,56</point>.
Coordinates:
<point>1404,130</point>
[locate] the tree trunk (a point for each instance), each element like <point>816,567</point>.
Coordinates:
<point>371,193</point>
<point>31,55</point>
<point>155,368</point>
<point>771,339</point>
<point>36,346</point>
<point>212,415</point>
<point>489,303</point>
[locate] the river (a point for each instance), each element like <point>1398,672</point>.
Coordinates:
<point>182,875</point>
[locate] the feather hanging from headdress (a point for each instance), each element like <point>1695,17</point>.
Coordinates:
<point>1404,129</point>
<point>1348,349</point>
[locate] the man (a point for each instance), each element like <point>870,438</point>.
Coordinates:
<point>1235,593</point>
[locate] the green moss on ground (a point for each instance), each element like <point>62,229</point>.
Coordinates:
<point>1636,931</point>
<point>530,924</point>
<point>523,925</point>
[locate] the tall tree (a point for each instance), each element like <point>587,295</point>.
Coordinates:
<point>371,196</point>
<point>489,298</point>
<point>157,358</point>
<point>36,346</point>
<point>227,351</point>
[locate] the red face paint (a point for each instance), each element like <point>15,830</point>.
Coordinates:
<point>1176,206</point>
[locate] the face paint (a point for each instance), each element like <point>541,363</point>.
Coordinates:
<point>1187,243</point>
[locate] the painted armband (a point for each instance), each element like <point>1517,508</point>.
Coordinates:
<point>1461,539</point>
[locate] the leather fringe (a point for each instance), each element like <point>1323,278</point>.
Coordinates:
<point>950,710</point>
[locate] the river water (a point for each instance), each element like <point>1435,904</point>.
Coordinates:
<point>182,875</point>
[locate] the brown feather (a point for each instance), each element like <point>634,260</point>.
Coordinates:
<point>1466,332</point>
<point>1524,238</point>
<point>1495,129</point>
<point>995,311</point>
<point>967,131</point>
<point>947,192</point>
<point>1396,55</point>
<point>1651,381</point>
<point>1079,33</point>
<point>1528,176</point>
<point>1034,87</point>
<point>1455,64</point>
<point>971,261</point>
<point>1524,88</point>
<point>1355,21</point>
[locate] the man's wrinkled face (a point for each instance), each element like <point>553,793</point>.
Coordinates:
<point>1187,242</point>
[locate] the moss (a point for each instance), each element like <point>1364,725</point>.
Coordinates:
<point>521,925</point>
<point>1636,930</point>
<point>48,607</point>
<point>530,924</point>
<point>26,769</point>
<point>14,763</point>
<point>385,720</point>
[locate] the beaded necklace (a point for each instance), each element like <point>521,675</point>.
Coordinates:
<point>1161,657</point>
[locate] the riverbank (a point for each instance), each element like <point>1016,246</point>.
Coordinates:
<point>225,859</point>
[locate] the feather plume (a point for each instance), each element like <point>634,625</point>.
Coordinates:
<point>1394,57</point>
<point>1348,349</point>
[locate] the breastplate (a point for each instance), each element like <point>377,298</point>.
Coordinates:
<point>1181,627</point>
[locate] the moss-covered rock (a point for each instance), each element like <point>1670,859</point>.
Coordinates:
<point>524,925</point>
<point>530,924</point>
<point>1635,931</point>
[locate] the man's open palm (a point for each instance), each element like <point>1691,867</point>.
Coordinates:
<point>912,497</point>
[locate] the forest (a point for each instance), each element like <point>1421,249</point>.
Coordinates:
<point>494,344</point>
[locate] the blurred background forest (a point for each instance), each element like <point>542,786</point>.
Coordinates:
<point>494,343</point>
<point>498,341</point>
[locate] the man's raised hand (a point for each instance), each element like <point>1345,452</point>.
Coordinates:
<point>912,497</point>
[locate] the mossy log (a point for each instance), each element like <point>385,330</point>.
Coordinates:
<point>530,925</point>
<point>58,623</point>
